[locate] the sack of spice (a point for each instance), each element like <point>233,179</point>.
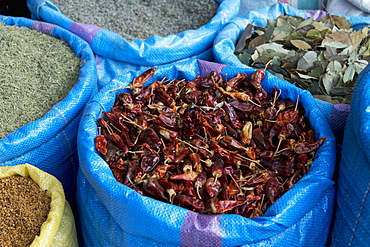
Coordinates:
<point>146,35</point>
<point>352,217</point>
<point>59,227</point>
<point>114,214</point>
<point>48,75</point>
<point>336,61</point>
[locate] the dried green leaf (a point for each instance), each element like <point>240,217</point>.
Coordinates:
<point>257,41</point>
<point>321,56</point>
<point>313,33</point>
<point>280,32</point>
<point>334,67</point>
<point>339,21</point>
<point>272,46</point>
<point>242,40</point>
<point>300,44</point>
<point>307,61</point>
<point>357,37</point>
<point>353,56</point>
<point>347,51</point>
<point>303,76</point>
<point>341,37</point>
<point>306,22</point>
<point>295,21</point>
<point>245,57</point>
<point>360,65</point>
<point>282,21</point>
<point>320,26</point>
<point>349,73</point>
<point>327,98</point>
<point>316,72</point>
<point>329,80</point>
<point>314,88</point>
<point>342,90</point>
<point>280,76</point>
<point>336,45</point>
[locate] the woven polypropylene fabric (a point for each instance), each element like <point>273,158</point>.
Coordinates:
<point>123,217</point>
<point>118,56</point>
<point>351,225</point>
<point>50,143</point>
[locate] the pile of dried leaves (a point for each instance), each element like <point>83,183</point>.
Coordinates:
<point>324,57</point>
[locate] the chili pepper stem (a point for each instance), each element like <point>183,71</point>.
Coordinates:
<point>267,64</point>
<point>198,185</point>
<point>296,105</point>
<point>126,119</point>
<point>216,175</point>
<point>171,193</point>
<point>281,138</point>
<point>262,200</point>
<point>255,161</point>
<point>213,208</point>
<point>114,127</point>
<point>280,108</point>
<point>136,152</point>
<point>129,87</point>
<point>208,162</point>
<point>237,185</point>
<point>137,137</point>
<point>275,98</point>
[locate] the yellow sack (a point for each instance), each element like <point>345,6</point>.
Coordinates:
<point>59,229</point>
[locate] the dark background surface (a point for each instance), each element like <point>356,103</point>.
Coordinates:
<point>16,8</point>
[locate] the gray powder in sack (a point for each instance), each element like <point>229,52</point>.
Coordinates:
<point>140,19</point>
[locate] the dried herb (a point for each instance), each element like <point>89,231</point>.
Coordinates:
<point>208,145</point>
<point>37,71</point>
<point>324,57</point>
<point>24,207</point>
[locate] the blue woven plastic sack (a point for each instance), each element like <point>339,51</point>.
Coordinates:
<point>50,143</point>
<point>352,219</point>
<point>115,55</point>
<point>225,41</point>
<point>113,214</point>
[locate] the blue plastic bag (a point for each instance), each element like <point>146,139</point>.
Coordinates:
<point>226,39</point>
<point>115,55</point>
<point>113,214</point>
<point>50,143</point>
<point>352,218</point>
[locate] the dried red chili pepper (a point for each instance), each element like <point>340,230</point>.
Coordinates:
<point>101,144</point>
<point>212,186</point>
<point>304,147</point>
<point>187,176</point>
<point>233,117</point>
<point>142,78</point>
<point>257,77</point>
<point>196,203</point>
<point>226,205</point>
<point>151,186</point>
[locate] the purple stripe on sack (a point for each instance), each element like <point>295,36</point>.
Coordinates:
<point>201,230</point>
<point>85,31</point>
<point>206,67</point>
<point>44,27</point>
<point>97,59</point>
<point>338,119</point>
<point>315,14</point>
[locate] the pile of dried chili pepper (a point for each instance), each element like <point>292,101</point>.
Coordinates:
<point>209,145</point>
